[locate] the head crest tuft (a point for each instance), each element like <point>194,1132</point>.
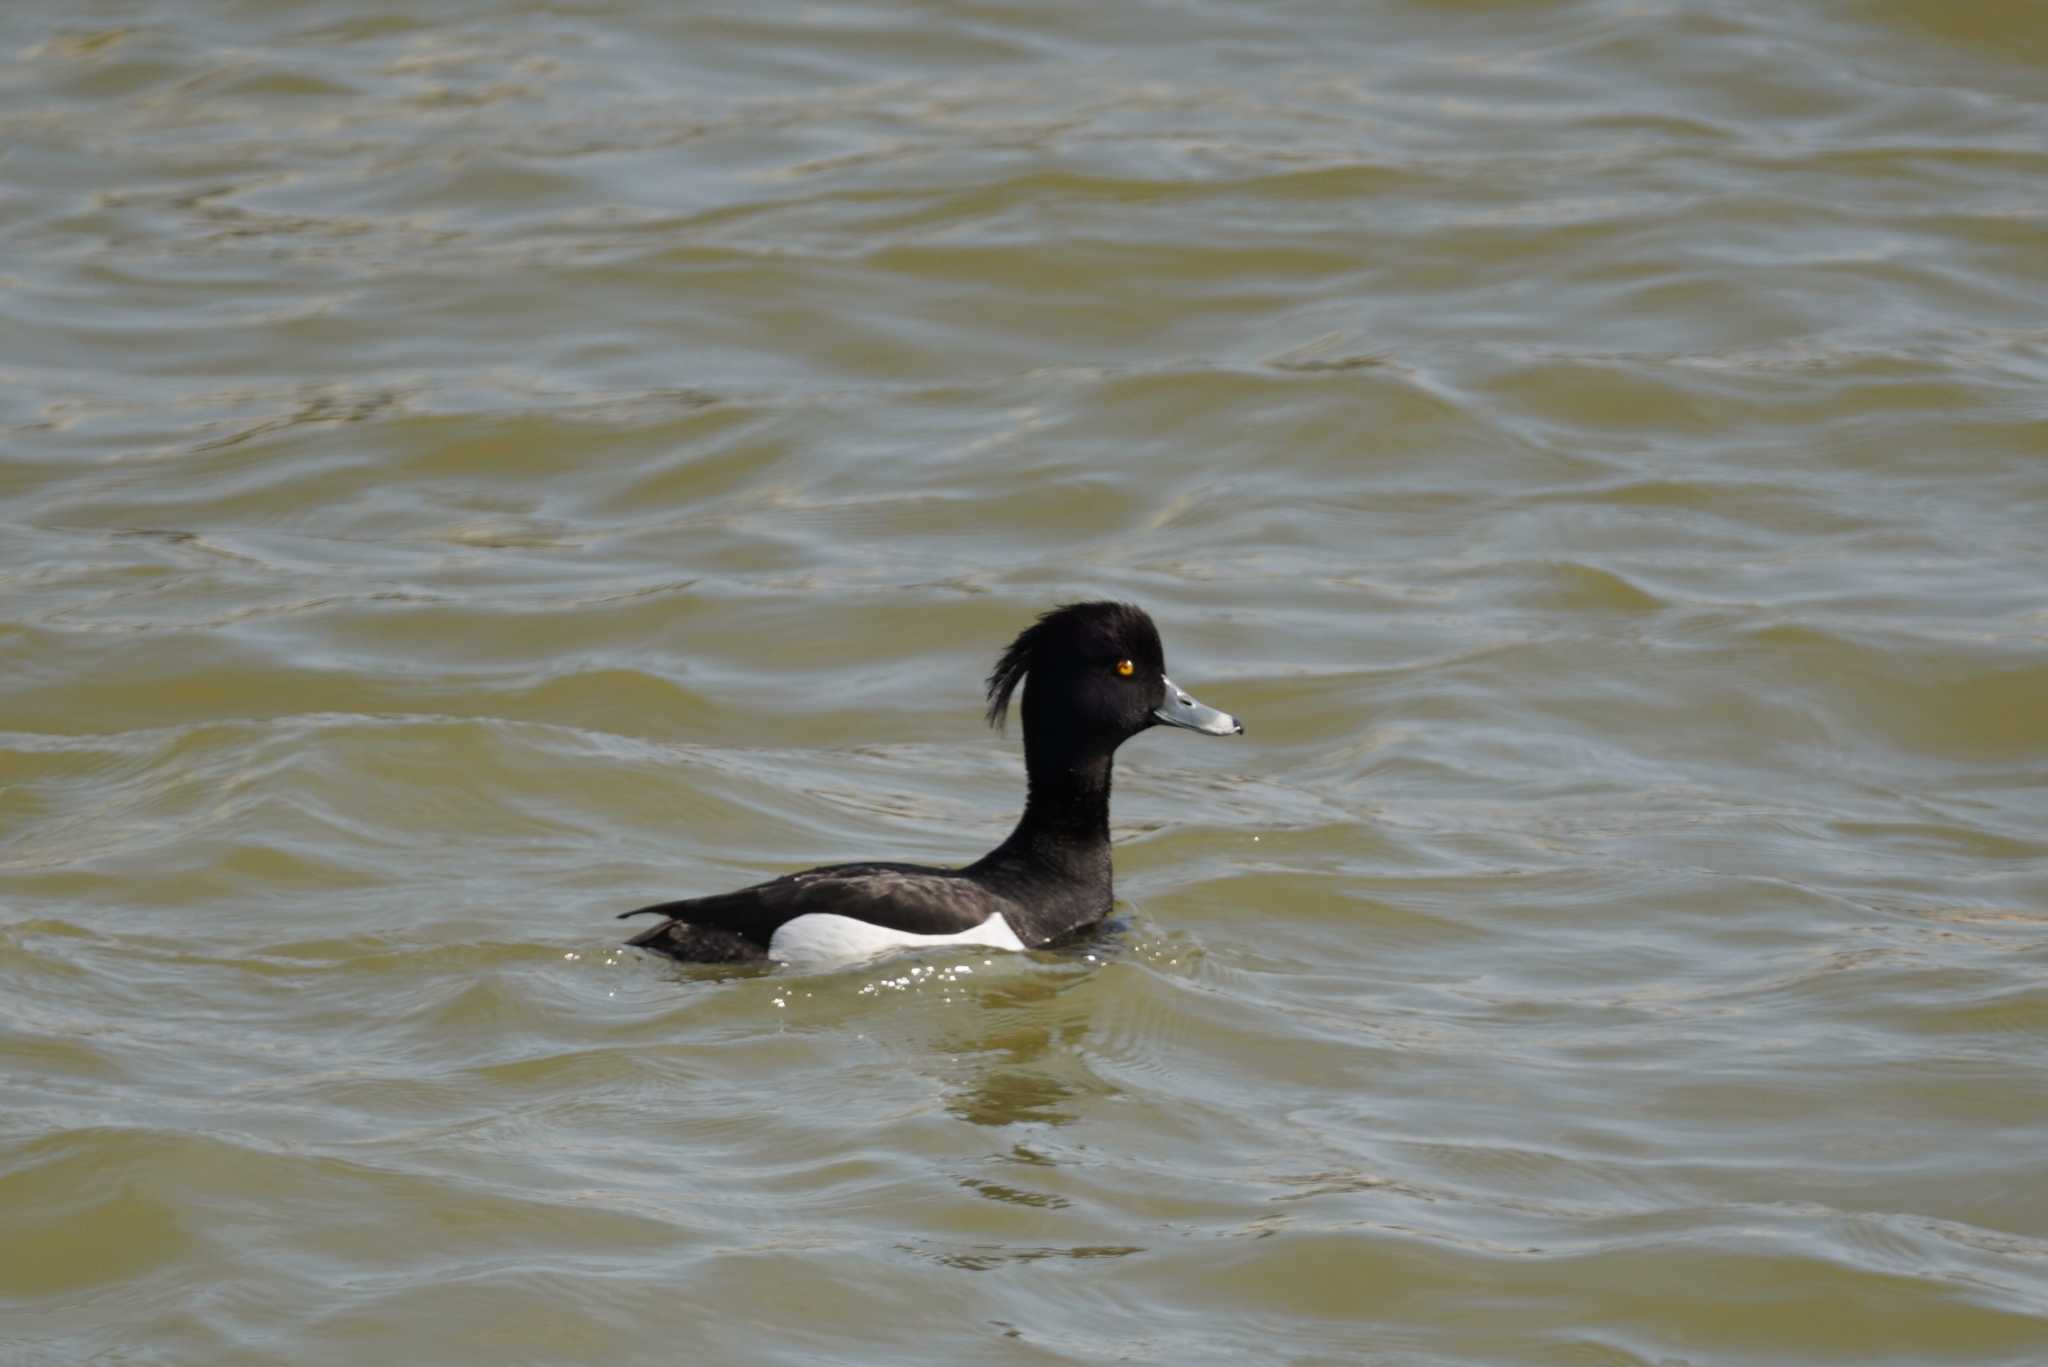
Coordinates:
<point>1012,667</point>
<point>1066,624</point>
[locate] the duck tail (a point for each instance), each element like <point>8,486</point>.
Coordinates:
<point>661,910</point>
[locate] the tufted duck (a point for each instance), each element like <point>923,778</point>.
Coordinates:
<point>1096,677</point>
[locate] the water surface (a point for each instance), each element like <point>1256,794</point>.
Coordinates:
<point>467,469</point>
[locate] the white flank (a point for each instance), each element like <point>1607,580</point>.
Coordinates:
<point>821,940</point>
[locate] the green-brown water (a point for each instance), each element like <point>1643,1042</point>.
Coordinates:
<point>469,469</point>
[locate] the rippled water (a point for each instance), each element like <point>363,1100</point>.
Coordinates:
<point>469,469</point>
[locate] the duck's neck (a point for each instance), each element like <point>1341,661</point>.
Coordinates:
<point>1064,832</point>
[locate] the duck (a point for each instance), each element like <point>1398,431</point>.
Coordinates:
<point>1093,676</point>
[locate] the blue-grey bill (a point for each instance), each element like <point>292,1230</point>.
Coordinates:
<point>1181,710</point>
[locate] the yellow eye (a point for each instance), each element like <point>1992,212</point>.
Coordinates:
<point>1124,668</point>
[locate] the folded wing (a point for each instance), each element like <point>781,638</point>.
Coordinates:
<point>900,897</point>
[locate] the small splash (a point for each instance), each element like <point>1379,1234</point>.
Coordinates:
<point>919,975</point>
